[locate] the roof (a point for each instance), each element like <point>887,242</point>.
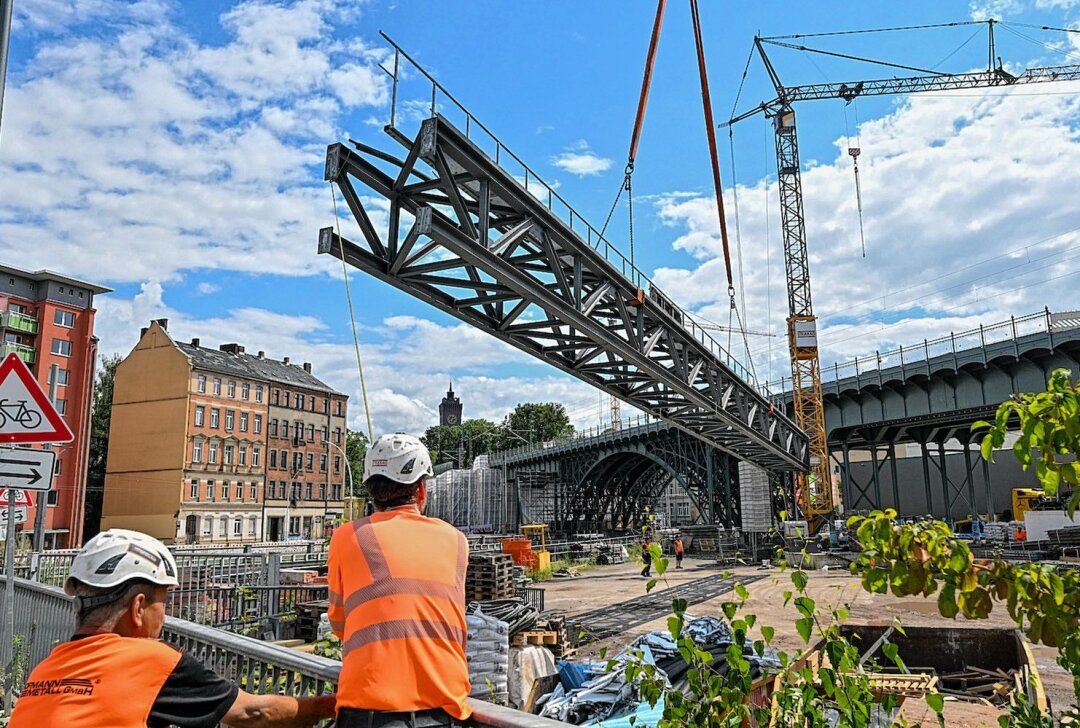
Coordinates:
<point>250,366</point>
<point>48,275</point>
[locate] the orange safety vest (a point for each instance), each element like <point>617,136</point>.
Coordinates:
<point>678,546</point>
<point>101,680</point>
<point>397,601</point>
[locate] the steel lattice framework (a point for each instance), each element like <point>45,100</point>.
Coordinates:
<point>484,249</point>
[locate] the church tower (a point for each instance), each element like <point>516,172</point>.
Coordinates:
<point>450,408</point>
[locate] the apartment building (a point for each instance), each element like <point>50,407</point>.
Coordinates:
<point>191,454</point>
<point>47,319</point>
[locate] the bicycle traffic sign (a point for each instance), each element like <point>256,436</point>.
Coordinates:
<point>26,415</point>
<point>20,496</point>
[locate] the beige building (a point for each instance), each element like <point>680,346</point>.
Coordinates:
<point>190,459</point>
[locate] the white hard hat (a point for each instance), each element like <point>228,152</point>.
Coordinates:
<point>117,556</point>
<point>401,458</point>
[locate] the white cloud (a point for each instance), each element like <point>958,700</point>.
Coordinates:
<point>206,288</point>
<point>968,215</point>
<point>140,139</point>
<point>580,160</point>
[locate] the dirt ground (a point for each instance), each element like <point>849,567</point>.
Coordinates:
<point>608,585</point>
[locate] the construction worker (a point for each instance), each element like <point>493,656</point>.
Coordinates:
<point>114,673</point>
<point>397,601</point>
<point>680,550</point>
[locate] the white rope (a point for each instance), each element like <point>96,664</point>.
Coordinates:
<point>352,320</point>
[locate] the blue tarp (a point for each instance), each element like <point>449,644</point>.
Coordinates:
<point>647,717</point>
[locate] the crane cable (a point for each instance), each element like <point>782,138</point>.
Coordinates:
<point>352,319</point>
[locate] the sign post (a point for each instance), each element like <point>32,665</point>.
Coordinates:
<point>26,416</point>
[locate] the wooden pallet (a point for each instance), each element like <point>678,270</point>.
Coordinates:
<point>535,637</point>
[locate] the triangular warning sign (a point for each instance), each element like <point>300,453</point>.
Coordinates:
<point>26,415</point>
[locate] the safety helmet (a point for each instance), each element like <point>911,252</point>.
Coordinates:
<point>116,556</point>
<point>401,458</point>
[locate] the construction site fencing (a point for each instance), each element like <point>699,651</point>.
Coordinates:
<point>246,609</point>
<point>45,616</point>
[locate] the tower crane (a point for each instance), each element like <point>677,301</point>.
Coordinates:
<point>815,491</point>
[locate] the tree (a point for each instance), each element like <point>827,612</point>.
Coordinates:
<point>356,444</point>
<point>461,443</point>
<point>100,419</point>
<point>537,422</point>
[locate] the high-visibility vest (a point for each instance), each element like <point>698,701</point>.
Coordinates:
<point>101,680</point>
<point>397,601</point>
<point>679,546</point>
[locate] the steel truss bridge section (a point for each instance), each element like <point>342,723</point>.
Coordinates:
<point>464,235</point>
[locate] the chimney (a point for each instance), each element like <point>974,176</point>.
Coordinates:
<point>262,354</point>
<point>285,360</point>
<point>307,367</point>
<point>195,342</point>
<point>232,348</point>
<point>163,323</point>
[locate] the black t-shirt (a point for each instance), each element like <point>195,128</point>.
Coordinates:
<point>192,697</point>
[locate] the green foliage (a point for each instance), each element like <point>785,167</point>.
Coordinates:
<point>100,420</point>
<point>461,443</point>
<point>356,444</point>
<point>329,646</point>
<point>538,422</point>
<point>1049,424</point>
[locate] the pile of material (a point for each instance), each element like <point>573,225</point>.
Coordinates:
<point>488,653</point>
<point>489,576</point>
<point>610,554</point>
<point>516,614</point>
<point>995,687</point>
<point>591,693</point>
<point>550,633</point>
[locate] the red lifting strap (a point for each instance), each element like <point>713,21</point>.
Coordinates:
<point>646,84</point>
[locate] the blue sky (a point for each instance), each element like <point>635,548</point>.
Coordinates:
<point>174,152</point>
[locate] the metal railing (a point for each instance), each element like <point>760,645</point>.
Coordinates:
<point>19,322</point>
<point>1042,322</point>
<point>45,616</point>
<point>430,105</point>
<point>240,608</point>
<point>26,353</point>
<point>629,423</point>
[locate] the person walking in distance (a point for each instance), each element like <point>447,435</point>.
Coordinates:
<point>114,673</point>
<point>646,557</point>
<point>397,601</point>
<point>680,550</point>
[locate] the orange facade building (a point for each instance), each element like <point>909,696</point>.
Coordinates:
<point>194,445</point>
<point>48,320</point>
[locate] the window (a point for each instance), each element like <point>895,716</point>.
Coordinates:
<point>337,435</point>
<point>61,406</point>
<point>257,425</point>
<point>225,490</point>
<point>270,486</point>
<point>273,426</point>
<point>194,490</point>
<point>310,462</point>
<point>245,391</point>
<point>200,415</point>
<point>254,491</point>
<point>338,405</point>
<point>276,396</point>
<point>64,318</point>
<point>251,526</point>
<point>285,429</point>
<point>239,491</point>
<point>237,527</point>
<point>230,389</point>
<point>223,527</point>
<point>283,460</point>
<point>243,422</point>
<point>337,464</point>
<point>213,453</point>
<point>325,435</point>
<point>337,491</point>
<point>62,377</point>
<point>294,526</point>
<point>311,433</point>
<point>326,405</point>
<point>215,418</point>
<point>683,509</point>
<point>230,419</point>
<point>209,490</point>
<point>322,463</point>
<point>322,491</point>
<point>299,401</point>
<point>308,491</point>
<point>313,403</point>
<point>52,498</point>
<point>61,347</point>
<point>228,455</point>
<point>201,383</point>
<point>256,453</point>
<point>296,491</point>
<point>207,526</point>
<point>273,460</point>
<point>196,452</point>
<point>298,461</point>
<point>242,458</point>
<point>56,467</point>
<point>217,386</point>
<point>258,392</point>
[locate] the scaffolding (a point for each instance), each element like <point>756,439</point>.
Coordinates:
<point>476,500</point>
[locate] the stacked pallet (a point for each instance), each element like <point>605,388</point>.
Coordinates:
<point>308,615</point>
<point>489,577</point>
<point>556,638</point>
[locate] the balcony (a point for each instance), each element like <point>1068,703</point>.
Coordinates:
<point>18,322</point>
<point>26,353</point>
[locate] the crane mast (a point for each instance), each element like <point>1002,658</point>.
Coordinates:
<point>815,490</point>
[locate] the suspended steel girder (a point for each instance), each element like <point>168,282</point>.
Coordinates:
<point>483,249</point>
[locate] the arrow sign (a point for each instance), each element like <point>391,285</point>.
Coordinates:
<point>26,415</point>
<point>21,515</point>
<point>29,469</point>
<point>21,498</point>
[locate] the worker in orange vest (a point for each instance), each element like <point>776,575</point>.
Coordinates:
<point>680,550</point>
<point>114,673</point>
<point>397,601</point>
